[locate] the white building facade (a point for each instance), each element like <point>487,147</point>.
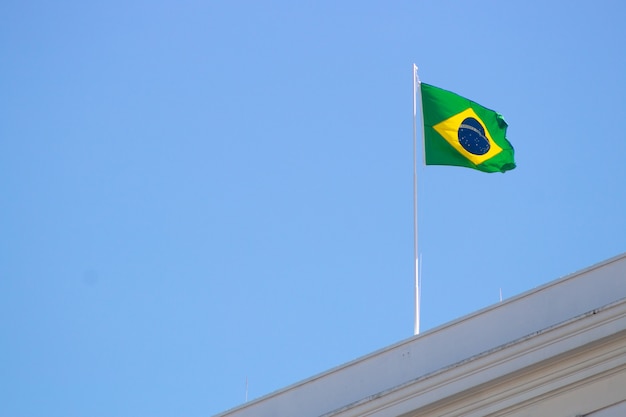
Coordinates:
<point>558,350</point>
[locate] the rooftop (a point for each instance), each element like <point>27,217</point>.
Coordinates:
<point>492,344</point>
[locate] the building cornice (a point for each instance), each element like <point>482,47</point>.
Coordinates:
<point>544,366</point>
<point>442,364</point>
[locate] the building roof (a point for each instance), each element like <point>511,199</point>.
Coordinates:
<point>507,357</point>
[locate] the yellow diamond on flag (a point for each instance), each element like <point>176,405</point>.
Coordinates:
<point>467,133</point>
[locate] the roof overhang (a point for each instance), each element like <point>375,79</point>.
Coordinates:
<point>541,347</point>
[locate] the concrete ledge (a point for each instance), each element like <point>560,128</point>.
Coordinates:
<point>516,318</point>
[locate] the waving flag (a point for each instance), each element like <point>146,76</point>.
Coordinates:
<point>460,132</point>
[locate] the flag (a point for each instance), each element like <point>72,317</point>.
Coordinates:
<point>460,132</point>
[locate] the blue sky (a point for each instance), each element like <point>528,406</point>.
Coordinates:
<point>196,193</point>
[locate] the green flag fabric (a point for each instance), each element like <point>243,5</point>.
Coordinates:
<point>460,132</point>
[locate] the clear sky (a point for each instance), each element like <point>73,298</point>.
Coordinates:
<point>196,193</point>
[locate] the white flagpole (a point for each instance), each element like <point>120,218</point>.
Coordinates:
<point>415,247</point>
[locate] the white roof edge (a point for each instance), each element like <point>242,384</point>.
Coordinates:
<point>527,294</point>
<point>500,361</point>
<point>399,363</point>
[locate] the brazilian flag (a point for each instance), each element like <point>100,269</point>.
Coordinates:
<point>460,132</point>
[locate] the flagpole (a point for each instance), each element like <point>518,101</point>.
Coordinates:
<point>415,247</point>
